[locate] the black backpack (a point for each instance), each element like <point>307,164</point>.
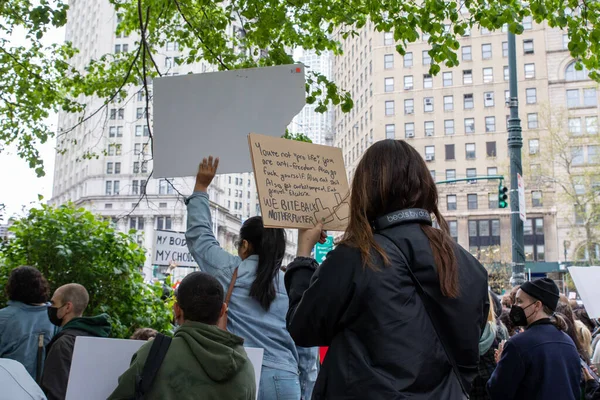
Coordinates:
<point>157,354</point>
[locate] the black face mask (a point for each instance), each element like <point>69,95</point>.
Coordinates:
<point>517,315</point>
<point>53,315</point>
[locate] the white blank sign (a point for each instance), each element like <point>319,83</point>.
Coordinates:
<point>198,115</point>
<point>98,362</point>
<point>587,281</point>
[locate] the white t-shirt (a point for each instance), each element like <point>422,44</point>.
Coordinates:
<point>16,383</point>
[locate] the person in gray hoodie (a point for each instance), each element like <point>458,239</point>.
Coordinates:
<point>202,361</point>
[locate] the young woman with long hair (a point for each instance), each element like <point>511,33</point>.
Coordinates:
<point>386,338</point>
<point>259,301</point>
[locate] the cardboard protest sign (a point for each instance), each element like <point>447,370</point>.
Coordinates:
<point>299,184</point>
<point>98,362</point>
<point>587,281</point>
<point>211,113</point>
<point>171,247</point>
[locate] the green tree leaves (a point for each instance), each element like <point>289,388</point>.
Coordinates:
<point>72,245</point>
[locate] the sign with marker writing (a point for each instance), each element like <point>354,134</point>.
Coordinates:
<point>299,184</point>
<point>171,247</point>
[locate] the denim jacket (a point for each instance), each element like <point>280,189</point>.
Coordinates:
<point>246,317</point>
<point>20,327</point>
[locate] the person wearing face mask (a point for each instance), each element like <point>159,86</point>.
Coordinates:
<point>66,311</point>
<point>542,362</point>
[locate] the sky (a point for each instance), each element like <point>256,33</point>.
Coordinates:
<point>19,184</point>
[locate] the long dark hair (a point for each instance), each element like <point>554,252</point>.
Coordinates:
<point>269,245</point>
<point>564,309</point>
<point>392,176</point>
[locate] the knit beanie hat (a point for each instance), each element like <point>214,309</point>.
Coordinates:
<point>544,290</point>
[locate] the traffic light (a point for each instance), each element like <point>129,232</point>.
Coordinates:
<point>502,196</point>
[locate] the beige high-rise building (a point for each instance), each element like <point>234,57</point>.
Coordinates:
<point>457,120</point>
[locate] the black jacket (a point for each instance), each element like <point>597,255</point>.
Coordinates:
<point>382,342</point>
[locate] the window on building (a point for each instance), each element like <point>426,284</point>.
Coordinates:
<point>428,104</point>
<point>450,153</point>
<point>112,131</point>
<point>139,113</point>
<point>429,128</point>
<point>589,97</point>
<point>388,38</point>
<point>468,101</point>
<point>389,108</point>
<point>591,125</point>
<point>529,71</point>
<point>532,121</point>
<point>492,200</point>
<point>531,95</point>
<point>409,129</point>
<point>136,167</point>
<point>472,201</point>
<point>506,73</point>
<point>448,103</point>
<point>472,173</point>
<point>429,153</point>
<point>577,157</point>
<point>467,76</point>
<point>492,171</point>
<point>527,23</point>
<point>172,46</point>
<point>388,61</point>
<point>447,79</point>
<point>580,215</point>
<point>165,187</point>
<point>117,48</point>
<point>488,99</point>
<point>470,153</point>
<point>573,74</point>
<point>528,46</point>
<point>408,59</point>
<point>164,223</point>
<point>504,49</point>
<point>490,124</point>
<point>117,168</point>
<point>108,188</point>
<point>109,168</point>
<point>536,198</point>
<point>534,146</point>
<point>450,174</point>
<point>409,106</point>
<point>137,149</point>
<point>390,131</point>
<point>451,202</point>
<point>467,54</point>
<point>490,149</point>
<point>488,75</point>
<point>389,85</point>
<point>427,81</point>
<point>136,223</point>
<point>486,51</point>
<point>449,127</point>
<point>408,82</point>
<point>453,227</point>
<point>469,126</point>
<point>593,154</point>
<point>426,57</point>
<point>533,237</point>
<point>483,234</point>
<point>575,126</point>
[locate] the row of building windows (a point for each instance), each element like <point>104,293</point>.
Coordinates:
<point>138,167</point>
<point>119,113</point>
<point>138,186</point>
<point>138,223</point>
<point>473,200</point>
<point>117,131</point>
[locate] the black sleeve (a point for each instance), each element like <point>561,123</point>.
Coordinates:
<point>319,297</point>
<point>57,367</point>
<point>592,390</point>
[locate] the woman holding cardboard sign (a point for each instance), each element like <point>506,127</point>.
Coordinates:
<point>256,297</point>
<point>399,303</point>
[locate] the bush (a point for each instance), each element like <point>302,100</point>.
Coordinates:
<point>69,244</point>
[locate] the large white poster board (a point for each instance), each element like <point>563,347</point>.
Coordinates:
<point>171,247</point>
<point>587,281</point>
<point>98,363</point>
<point>197,115</point>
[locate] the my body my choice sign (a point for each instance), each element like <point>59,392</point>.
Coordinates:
<point>171,247</point>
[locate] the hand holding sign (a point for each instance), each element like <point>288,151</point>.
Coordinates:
<point>206,173</point>
<point>307,238</point>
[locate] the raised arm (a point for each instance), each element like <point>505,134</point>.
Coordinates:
<point>201,241</point>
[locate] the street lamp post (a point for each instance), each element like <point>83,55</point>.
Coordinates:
<point>515,144</point>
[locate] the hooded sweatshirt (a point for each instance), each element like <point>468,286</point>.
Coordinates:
<point>203,361</point>
<point>60,352</point>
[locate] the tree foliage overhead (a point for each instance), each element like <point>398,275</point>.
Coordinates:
<point>72,245</point>
<point>36,79</point>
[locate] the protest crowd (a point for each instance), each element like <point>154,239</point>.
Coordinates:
<point>405,312</point>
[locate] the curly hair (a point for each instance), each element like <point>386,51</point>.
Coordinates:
<point>27,285</point>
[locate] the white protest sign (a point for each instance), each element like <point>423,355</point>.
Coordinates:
<point>522,211</point>
<point>587,281</point>
<point>171,247</point>
<point>197,115</point>
<point>98,363</point>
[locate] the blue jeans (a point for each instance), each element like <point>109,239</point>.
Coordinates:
<point>276,384</point>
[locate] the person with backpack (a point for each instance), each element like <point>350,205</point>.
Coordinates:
<point>258,300</point>
<point>200,362</point>
<point>399,303</point>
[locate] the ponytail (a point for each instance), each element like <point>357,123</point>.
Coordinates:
<point>269,245</point>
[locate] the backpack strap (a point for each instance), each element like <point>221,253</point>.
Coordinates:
<point>158,351</point>
<point>231,285</point>
<point>427,304</point>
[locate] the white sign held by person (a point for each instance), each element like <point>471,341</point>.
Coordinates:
<point>587,281</point>
<point>171,248</point>
<point>98,362</point>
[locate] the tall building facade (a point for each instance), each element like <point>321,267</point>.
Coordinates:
<point>104,163</point>
<point>457,120</point>
<point>317,126</point>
